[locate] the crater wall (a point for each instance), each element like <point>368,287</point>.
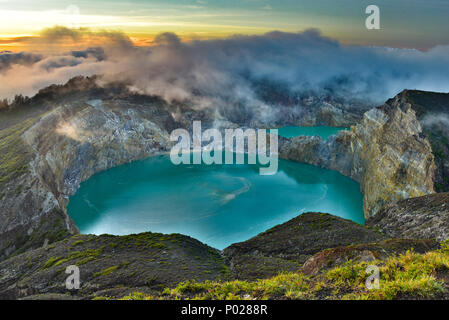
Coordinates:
<point>386,153</point>
<point>64,148</point>
<point>45,158</point>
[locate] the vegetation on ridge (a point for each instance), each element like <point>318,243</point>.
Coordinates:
<point>13,152</point>
<point>407,276</point>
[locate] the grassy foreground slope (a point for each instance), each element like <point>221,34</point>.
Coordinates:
<point>408,276</point>
<point>109,265</point>
<point>285,262</point>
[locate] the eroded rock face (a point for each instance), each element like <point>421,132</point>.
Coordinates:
<point>44,158</point>
<point>73,142</point>
<point>432,110</point>
<point>386,153</point>
<point>424,217</point>
<point>67,133</point>
<point>64,148</point>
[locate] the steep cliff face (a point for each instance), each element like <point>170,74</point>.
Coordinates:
<point>387,153</point>
<point>432,111</point>
<point>47,153</point>
<point>65,134</point>
<point>60,150</point>
<point>29,211</point>
<point>73,142</point>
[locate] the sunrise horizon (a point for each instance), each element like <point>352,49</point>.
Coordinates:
<point>403,24</point>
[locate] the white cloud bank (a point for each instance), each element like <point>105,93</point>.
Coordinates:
<point>227,69</point>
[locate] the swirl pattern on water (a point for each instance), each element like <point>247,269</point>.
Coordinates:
<point>218,204</point>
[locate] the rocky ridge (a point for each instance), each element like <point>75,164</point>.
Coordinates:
<point>65,134</point>
<point>424,217</point>
<point>287,246</point>
<point>386,153</point>
<point>153,264</point>
<point>109,265</point>
<point>46,153</point>
<point>432,111</point>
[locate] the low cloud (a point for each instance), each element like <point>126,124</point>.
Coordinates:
<point>8,59</point>
<point>439,120</point>
<point>228,71</point>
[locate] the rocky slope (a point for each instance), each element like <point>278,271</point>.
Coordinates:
<point>366,252</point>
<point>424,217</point>
<point>151,263</point>
<point>67,133</point>
<point>287,246</point>
<point>408,276</point>
<point>387,153</point>
<point>109,265</point>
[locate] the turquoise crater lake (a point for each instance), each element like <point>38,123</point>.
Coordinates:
<point>323,132</point>
<point>216,204</point>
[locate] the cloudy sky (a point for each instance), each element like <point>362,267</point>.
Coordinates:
<point>177,48</point>
<point>420,24</point>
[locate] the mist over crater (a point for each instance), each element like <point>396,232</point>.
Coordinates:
<point>245,72</point>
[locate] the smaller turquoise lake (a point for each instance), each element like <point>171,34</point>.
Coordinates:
<point>216,204</point>
<point>323,132</point>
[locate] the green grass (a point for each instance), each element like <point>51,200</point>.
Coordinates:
<point>84,256</point>
<point>74,244</point>
<point>50,262</point>
<point>410,275</point>
<point>13,151</point>
<point>106,271</point>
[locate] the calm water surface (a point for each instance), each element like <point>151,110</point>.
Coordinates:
<point>218,204</point>
<point>323,132</point>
